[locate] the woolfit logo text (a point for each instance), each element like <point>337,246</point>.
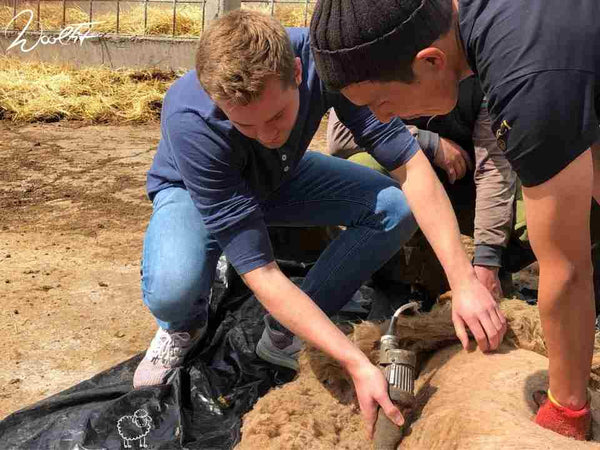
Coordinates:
<point>74,33</point>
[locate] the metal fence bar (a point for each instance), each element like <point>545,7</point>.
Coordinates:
<point>174,16</point>
<point>306,13</point>
<point>64,17</point>
<point>145,16</point>
<point>39,26</point>
<point>91,10</point>
<point>118,14</point>
<point>15,13</point>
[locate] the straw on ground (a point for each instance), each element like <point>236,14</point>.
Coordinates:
<point>34,91</point>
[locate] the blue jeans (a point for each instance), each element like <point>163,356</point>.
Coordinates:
<point>180,255</point>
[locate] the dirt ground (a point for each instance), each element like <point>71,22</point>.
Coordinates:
<point>73,211</point>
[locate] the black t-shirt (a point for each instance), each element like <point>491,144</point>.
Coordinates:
<point>539,65</point>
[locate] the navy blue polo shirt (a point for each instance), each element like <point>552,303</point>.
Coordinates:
<point>229,176</point>
<point>539,64</point>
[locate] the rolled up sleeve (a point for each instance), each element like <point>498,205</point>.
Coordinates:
<point>391,144</point>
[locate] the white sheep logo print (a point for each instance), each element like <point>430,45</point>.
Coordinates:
<point>135,428</point>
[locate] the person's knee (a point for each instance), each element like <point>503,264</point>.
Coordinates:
<point>396,214</point>
<point>173,295</point>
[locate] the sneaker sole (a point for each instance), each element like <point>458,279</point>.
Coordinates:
<point>266,354</point>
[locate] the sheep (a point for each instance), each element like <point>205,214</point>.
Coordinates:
<point>129,428</point>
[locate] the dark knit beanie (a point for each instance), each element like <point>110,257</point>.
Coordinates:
<point>358,40</point>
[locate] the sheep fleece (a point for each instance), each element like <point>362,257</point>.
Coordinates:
<point>465,400</point>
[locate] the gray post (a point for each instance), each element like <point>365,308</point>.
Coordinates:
<point>216,8</point>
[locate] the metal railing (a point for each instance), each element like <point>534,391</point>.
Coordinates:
<point>290,12</point>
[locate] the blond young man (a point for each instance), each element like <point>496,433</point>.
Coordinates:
<point>232,159</point>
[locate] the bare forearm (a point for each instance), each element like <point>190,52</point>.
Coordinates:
<point>433,211</point>
<point>298,313</point>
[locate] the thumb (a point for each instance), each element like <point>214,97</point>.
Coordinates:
<point>467,158</point>
<point>391,411</point>
<point>461,332</point>
<point>451,175</point>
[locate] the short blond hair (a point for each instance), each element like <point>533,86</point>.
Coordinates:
<point>239,52</point>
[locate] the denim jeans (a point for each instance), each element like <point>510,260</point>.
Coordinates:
<point>180,255</point>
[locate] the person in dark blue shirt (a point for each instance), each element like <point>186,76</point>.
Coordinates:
<point>539,65</point>
<point>232,159</point>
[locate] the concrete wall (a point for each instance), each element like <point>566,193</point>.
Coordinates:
<point>112,51</point>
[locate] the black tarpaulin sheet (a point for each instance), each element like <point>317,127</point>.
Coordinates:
<point>202,405</point>
<point>199,408</point>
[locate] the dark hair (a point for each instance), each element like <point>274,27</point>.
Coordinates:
<point>374,41</point>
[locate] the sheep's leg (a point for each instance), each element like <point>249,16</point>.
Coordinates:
<point>127,443</point>
<point>143,442</point>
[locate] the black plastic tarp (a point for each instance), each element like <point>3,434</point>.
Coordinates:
<point>202,405</point>
<point>199,408</point>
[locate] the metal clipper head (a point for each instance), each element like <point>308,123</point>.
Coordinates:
<point>398,364</point>
<point>399,370</point>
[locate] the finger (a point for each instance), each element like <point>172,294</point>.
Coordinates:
<point>390,410</point>
<point>451,175</point>
<point>466,157</point>
<point>493,336</point>
<point>461,168</point>
<point>502,319</point>
<point>479,334</point>
<point>461,331</point>
<point>368,411</point>
<point>496,320</point>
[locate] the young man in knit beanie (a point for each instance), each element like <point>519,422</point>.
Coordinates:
<point>539,65</point>
<point>232,159</point>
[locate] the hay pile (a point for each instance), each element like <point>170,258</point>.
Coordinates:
<point>466,400</point>
<point>32,92</point>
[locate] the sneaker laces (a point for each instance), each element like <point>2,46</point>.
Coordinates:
<point>170,350</point>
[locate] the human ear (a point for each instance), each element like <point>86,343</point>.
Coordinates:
<point>298,71</point>
<point>430,59</point>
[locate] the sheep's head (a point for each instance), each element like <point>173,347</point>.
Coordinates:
<point>141,418</point>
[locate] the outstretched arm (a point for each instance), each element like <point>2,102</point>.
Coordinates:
<point>472,305</point>
<point>299,314</point>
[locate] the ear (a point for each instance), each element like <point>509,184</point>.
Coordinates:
<point>298,71</point>
<point>430,60</point>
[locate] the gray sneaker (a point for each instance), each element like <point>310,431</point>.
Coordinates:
<point>278,347</point>
<point>167,352</point>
